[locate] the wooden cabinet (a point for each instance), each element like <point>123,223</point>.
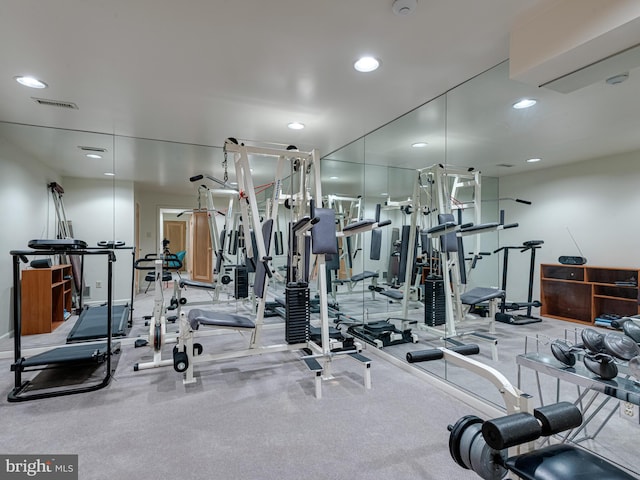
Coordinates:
<point>46,294</point>
<point>580,293</point>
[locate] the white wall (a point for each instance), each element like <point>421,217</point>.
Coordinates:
<point>102,210</point>
<point>27,213</point>
<point>597,200</point>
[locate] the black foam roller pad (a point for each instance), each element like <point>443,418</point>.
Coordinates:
<point>437,354</point>
<point>558,417</point>
<point>424,355</point>
<point>505,432</point>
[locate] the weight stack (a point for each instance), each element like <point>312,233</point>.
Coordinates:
<point>241,282</point>
<point>434,302</point>
<point>297,312</point>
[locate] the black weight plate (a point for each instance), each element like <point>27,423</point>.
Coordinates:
<point>621,346</point>
<point>593,340</point>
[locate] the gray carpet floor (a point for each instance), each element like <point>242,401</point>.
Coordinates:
<point>257,417</point>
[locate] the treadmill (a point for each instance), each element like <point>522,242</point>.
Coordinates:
<point>62,357</point>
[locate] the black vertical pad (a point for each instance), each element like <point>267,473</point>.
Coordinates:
<point>233,243</point>
<point>261,266</point>
<point>376,244</point>
<point>393,255</point>
<point>323,233</point>
<point>278,243</point>
<point>448,241</point>
<point>404,249</point>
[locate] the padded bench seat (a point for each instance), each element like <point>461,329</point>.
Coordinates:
<point>564,461</point>
<point>395,294</point>
<point>199,317</point>
<point>196,284</point>
<point>481,294</point>
<point>366,274</point>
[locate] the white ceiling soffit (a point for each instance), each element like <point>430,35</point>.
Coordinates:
<point>566,45</point>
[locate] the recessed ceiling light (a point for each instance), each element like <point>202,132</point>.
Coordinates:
<point>296,126</point>
<point>366,64</point>
<point>524,103</point>
<point>533,160</point>
<point>333,178</point>
<point>30,82</point>
<point>93,155</point>
<point>419,144</point>
<point>109,174</point>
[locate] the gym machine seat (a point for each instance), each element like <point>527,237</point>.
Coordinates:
<point>199,317</point>
<point>195,284</point>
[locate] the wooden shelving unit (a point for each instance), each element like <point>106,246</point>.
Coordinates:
<point>46,294</point>
<point>579,293</point>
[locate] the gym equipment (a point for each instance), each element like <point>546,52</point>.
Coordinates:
<point>381,333</point>
<point>92,324</point>
<point>438,354</point>
<point>60,357</point>
<point>515,318</point>
<point>187,354</point>
<point>157,322</point>
<point>482,446</point>
<point>64,232</point>
<point>439,188</point>
<point>594,353</point>
<point>601,349</point>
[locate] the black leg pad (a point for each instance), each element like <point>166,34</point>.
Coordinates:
<point>558,417</point>
<point>505,432</point>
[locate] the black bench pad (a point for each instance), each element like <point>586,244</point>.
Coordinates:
<point>564,462</point>
<point>195,284</point>
<point>480,294</point>
<point>395,294</point>
<point>363,275</point>
<point>199,317</point>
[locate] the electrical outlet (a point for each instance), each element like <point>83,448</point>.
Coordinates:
<point>98,284</point>
<point>630,412</point>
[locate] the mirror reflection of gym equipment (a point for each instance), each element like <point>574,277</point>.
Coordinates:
<point>563,328</point>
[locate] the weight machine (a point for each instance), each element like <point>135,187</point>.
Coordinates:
<point>445,190</point>
<point>312,223</point>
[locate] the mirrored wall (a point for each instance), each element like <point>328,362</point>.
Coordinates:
<point>137,185</point>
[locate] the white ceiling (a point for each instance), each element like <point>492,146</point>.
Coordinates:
<point>194,72</point>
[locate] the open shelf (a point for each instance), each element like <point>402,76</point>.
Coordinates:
<point>580,293</point>
<point>46,294</point>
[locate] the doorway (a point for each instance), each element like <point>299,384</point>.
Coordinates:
<point>174,227</point>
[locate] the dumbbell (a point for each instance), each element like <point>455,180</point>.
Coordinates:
<point>603,350</point>
<point>595,357</point>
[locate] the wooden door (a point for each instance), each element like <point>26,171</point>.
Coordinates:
<point>176,232</point>
<point>200,252</point>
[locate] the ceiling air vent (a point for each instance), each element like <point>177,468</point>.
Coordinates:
<point>505,165</point>
<point>92,149</point>
<point>55,103</point>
